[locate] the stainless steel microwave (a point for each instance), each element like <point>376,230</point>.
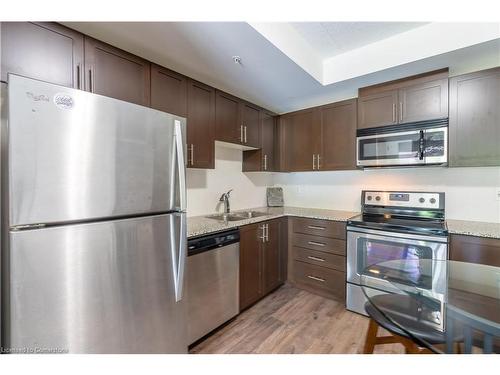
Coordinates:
<point>408,145</point>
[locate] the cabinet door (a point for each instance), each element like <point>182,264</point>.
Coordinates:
<point>378,109</point>
<point>302,132</point>
<point>268,129</point>
<point>227,118</point>
<point>338,123</point>
<point>475,250</point>
<point>115,73</point>
<point>424,101</point>
<point>251,123</point>
<point>262,159</point>
<point>200,125</point>
<point>250,264</point>
<point>45,51</point>
<point>475,119</point>
<point>168,91</point>
<point>272,257</point>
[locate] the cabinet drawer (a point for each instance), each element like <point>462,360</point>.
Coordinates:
<point>328,245</point>
<point>321,279</point>
<point>323,228</point>
<point>336,262</point>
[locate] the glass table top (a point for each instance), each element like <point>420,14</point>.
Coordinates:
<point>446,306</point>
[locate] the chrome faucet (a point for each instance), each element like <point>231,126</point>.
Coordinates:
<point>225,198</point>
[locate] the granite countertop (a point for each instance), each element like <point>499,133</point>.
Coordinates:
<point>474,228</point>
<point>198,225</point>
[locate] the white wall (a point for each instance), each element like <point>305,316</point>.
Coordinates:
<point>205,187</point>
<point>471,193</point>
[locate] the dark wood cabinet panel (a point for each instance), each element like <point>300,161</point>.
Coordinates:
<point>251,125</point>
<point>378,109</point>
<point>272,258</point>
<point>319,258</point>
<point>263,257</point>
<point>317,227</point>
<point>423,101</point>
<point>200,125</point>
<point>325,244</point>
<point>474,129</point>
<point>475,250</point>
<point>322,280</point>
<point>115,73</point>
<point>250,264</point>
<point>338,134</point>
<point>263,159</point>
<point>168,91</point>
<point>44,51</point>
<point>228,126</point>
<point>302,139</point>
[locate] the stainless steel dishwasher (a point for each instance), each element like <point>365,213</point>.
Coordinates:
<point>212,282</point>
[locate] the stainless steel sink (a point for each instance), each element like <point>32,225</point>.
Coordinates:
<point>236,216</point>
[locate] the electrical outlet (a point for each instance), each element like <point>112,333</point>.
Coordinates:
<point>498,194</point>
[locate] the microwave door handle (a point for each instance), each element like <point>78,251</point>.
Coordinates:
<point>421,145</point>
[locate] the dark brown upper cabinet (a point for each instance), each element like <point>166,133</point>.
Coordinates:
<point>417,98</point>
<point>378,109</point>
<point>263,159</point>
<point>321,138</point>
<point>262,259</point>
<point>475,119</point>
<point>200,125</point>
<point>42,50</point>
<point>338,136</point>
<point>227,118</point>
<point>301,139</point>
<point>168,91</point>
<point>236,121</point>
<point>115,73</point>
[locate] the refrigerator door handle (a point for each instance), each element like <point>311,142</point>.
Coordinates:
<point>181,165</point>
<point>179,254</point>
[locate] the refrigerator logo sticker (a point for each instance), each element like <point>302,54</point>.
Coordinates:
<point>63,101</point>
<point>37,98</point>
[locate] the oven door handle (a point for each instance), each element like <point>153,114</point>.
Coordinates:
<point>409,236</point>
<point>421,145</point>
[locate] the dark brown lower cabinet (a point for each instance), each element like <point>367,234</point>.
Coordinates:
<point>475,250</point>
<point>262,259</point>
<point>318,256</point>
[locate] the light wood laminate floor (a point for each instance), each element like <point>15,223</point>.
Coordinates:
<point>291,320</point>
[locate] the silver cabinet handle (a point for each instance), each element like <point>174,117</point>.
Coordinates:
<point>393,112</point>
<point>316,227</point>
<point>241,133</point>
<point>315,258</point>
<point>263,228</point>
<point>245,133</point>
<point>265,162</point>
<point>192,154</point>
<point>314,162</point>
<point>316,278</point>
<point>400,111</point>
<point>267,232</point>
<point>91,81</point>
<point>316,243</point>
<point>318,165</point>
<point>78,84</point>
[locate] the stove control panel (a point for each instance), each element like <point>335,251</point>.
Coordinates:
<point>404,199</point>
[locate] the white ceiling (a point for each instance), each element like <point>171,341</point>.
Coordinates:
<point>329,39</point>
<point>267,76</point>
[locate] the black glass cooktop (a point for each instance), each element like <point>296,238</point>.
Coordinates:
<point>400,224</point>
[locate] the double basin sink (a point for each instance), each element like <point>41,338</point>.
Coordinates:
<point>236,216</point>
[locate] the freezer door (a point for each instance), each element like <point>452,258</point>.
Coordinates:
<point>107,287</point>
<point>77,156</point>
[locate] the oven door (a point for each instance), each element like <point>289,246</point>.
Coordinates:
<point>428,146</point>
<point>367,247</point>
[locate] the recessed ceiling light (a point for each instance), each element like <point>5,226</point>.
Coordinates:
<point>237,60</point>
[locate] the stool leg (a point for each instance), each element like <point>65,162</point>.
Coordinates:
<point>371,337</point>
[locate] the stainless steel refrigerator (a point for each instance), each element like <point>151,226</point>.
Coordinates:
<point>93,223</point>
